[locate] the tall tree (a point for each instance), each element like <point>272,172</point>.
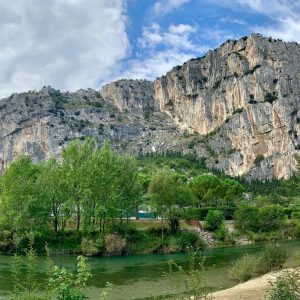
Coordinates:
<point>75,163</point>
<point>206,188</point>
<point>52,190</point>
<point>169,194</point>
<point>20,208</point>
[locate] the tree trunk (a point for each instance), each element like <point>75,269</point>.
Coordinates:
<point>78,216</point>
<point>162,228</point>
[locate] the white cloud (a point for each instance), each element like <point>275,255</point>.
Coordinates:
<point>285,15</point>
<point>155,65</point>
<point>69,44</point>
<point>162,50</point>
<point>177,36</point>
<point>233,21</point>
<point>163,7</point>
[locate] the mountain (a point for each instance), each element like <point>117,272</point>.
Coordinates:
<point>237,106</point>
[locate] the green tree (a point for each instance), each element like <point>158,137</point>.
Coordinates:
<point>230,190</point>
<point>214,220</point>
<point>76,159</point>
<point>206,188</point>
<point>271,217</point>
<point>20,207</point>
<point>100,205</point>
<point>247,218</point>
<point>53,192</point>
<point>129,188</point>
<point>169,194</point>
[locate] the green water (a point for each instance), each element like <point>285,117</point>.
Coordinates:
<point>139,277</point>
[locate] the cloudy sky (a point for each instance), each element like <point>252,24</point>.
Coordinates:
<point>72,44</point>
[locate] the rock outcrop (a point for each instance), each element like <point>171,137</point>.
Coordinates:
<point>41,123</point>
<point>244,96</point>
<point>237,106</point>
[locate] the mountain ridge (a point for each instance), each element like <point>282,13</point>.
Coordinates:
<point>238,106</point>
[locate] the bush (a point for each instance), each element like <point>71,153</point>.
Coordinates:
<point>228,212</point>
<point>266,236</point>
<point>191,239</point>
<point>246,218</point>
<point>221,234</point>
<point>88,247</point>
<point>272,258</point>
<point>258,159</point>
<point>295,215</point>
<point>271,217</point>
<point>214,220</point>
<point>297,230</point>
<point>114,244</point>
<point>196,213</point>
<point>285,287</point>
<point>244,268</point>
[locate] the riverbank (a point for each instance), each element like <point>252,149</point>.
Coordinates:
<point>137,237</point>
<point>253,289</point>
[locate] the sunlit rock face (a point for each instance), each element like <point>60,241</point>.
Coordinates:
<point>41,123</point>
<point>238,106</point>
<point>245,95</point>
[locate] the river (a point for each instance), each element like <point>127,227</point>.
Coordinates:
<point>141,276</point>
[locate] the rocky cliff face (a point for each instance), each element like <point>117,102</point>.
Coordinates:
<point>244,96</point>
<point>238,106</point>
<point>41,123</point>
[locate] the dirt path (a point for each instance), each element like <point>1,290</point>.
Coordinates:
<point>253,289</point>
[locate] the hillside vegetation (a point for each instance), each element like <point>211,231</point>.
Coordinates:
<point>87,202</point>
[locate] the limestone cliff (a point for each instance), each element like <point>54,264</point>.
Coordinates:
<point>245,97</point>
<point>41,123</point>
<point>238,106</point>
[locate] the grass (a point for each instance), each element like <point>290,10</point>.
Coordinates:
<point>154,223</point>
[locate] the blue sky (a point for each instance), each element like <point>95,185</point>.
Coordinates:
<point>72,44</point>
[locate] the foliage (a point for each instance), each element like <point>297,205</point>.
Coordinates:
<point>114,244</point>
<point>190,275</point>
<point>89,247</point>
<point>20,209</point>
<point>267,218</point>
<point>214,220</point>
<point>285,287</point>
<point>221,234</point>
<point>68,286</point>
<point>209,189</point>
<point>258,159</point>
<point>272,258</point>
<point>169,193</point>
<point>244,268</point>
<point>271,217</point>
<point>191,240</point>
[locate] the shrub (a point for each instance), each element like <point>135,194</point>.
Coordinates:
<point>114,244</point>
<point>196,213</point>
<point>214,220</point>
<point>272,258</point>
<point>243,268</point>
<point>191,239</point>
<point>271,97</point>
<point>295,215</point>
<point>228,212</point>
<point>271,217</point>
<point>297,230</point>
<point>246,218</point>
<point>88,247</point>
<point>258,159</point>
<point>285,287</point>
<point>221,234</point>
<point>238,110</point>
